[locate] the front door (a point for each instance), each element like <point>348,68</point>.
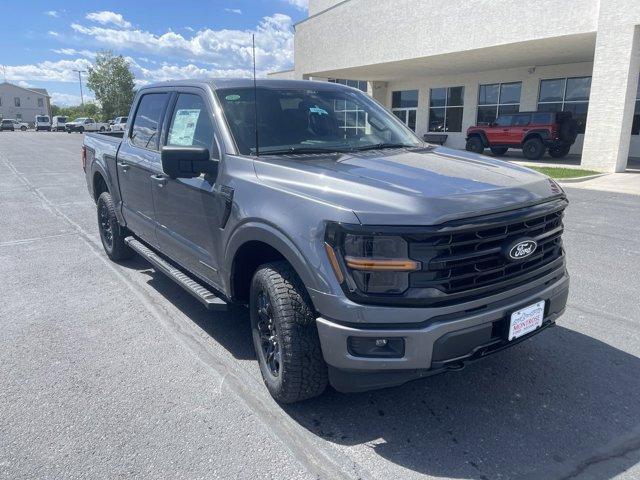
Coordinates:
<point>138,159</point>
<point>190,211</point>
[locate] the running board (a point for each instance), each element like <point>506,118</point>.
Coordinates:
<point>209,299</point>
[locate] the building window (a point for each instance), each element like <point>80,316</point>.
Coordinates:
<point>446,106</point>
<point>41,102</point>
<point>566,94</point>
<point>351,119</point>
<point>496,99</point>
<point>404,105</point>
<point>635,128</point>
<point>18,116</point>
<point>359,84</point>
<point>0,101</point>
<point>16,101</point>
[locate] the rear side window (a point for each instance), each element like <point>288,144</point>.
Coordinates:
<point>191,124</point>
<point>542,118</point>
<point>147,120</point>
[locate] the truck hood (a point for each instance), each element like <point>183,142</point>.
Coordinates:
<point>425,186</point>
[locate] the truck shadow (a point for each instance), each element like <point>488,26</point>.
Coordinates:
<point>548,408</point>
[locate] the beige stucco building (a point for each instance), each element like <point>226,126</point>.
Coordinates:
<point>443,66</point>
<point>23,104</point>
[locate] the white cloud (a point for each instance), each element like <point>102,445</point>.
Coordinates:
<point>68,100</point>
<point>233,10</point>
<point>299,4</point>
<point>60,71</point>
<point>73,51</point>
<point>106,17</point>
<point>222,49</point>
<point>24,84</point>
<point>52,13</point>
<point>53,34</point>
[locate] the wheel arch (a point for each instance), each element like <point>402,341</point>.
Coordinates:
<point>543,135</point>
<point>480,134</point>
<point>255,244</point>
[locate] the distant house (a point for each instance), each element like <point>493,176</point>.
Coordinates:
<point>23,103</point>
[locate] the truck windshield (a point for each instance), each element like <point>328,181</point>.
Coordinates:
<point>310,121</point>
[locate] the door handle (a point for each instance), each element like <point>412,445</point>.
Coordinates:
<point>124,166</point>
<point>160,180</point>
<point>505,129</point>
<point>525,129</point>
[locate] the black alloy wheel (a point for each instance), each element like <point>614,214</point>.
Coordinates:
<point>269,342</point>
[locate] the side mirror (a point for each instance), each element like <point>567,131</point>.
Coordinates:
<point>187,162</point>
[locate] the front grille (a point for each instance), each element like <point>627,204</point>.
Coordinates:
<point>468,258</point>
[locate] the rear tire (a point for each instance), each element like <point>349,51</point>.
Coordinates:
<point>560,152</point>
<point>475,145</point>
<point>499,151</point>
<point>112,234</point>
<point>285,335</point>
<point>533,149</point>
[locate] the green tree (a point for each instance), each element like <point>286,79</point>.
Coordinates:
<point>90,109</point>
<point>112,81</point>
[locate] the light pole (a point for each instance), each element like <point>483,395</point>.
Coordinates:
<point>80,72</point>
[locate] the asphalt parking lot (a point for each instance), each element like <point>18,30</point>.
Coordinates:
<point>113,371</point>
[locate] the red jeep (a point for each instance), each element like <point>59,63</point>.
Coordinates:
<point>533,132</point>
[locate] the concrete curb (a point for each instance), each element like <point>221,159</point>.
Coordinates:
<point>580,179</point>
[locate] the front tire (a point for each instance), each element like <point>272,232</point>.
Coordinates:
<point>475,145</point>
<point>285,336</point>
<point>533,149</point>
<point>23,129</point>
<point>112,234</point>
<point>81,130</point>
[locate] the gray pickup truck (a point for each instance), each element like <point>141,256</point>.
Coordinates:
<point>366,257</point>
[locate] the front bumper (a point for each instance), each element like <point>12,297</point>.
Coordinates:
<point>438,344</point>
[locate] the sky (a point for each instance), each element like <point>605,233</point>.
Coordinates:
<point>43,42</point>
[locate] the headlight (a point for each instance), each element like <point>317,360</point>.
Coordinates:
<point>374,263</point>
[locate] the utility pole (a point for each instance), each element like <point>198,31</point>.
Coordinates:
<point>80,72</point>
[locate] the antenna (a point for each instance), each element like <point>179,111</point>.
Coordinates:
<point>255,93</point>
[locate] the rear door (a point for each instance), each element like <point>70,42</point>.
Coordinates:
<point>190,211</point>
<point>139,159</point>
<point>519,128</point>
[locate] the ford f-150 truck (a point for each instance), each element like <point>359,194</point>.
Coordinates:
<point>366,257</point>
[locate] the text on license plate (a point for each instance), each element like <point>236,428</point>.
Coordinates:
<point>526,320</point>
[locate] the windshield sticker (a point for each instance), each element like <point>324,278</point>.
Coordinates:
<point>318,110</point>
<point>232,98</point>
<point>184,127</point>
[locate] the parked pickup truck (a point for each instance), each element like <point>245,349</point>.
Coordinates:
<point>366,257</point>
<point>84,124</point>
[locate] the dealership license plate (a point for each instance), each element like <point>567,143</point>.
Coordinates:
<point>526,320</point>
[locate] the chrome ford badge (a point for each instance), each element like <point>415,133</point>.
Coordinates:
<point>522,249</point>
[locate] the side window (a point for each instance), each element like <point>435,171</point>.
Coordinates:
<point>521,120</point>
<point>146,122</point>
<point>191,123</point>
<point>504,120</point>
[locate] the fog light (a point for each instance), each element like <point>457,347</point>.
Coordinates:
<point>376,347</point>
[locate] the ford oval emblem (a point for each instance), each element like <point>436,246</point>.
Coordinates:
<point>522,249</point>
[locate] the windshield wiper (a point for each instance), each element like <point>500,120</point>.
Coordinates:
<point>284,151</point>
<point>379,146</point>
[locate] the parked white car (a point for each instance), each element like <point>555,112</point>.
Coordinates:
<point>58,122</point>
<point>13,125</point>
<point>119,124</point>
<point>43,123</point>
<point>86,124</point>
